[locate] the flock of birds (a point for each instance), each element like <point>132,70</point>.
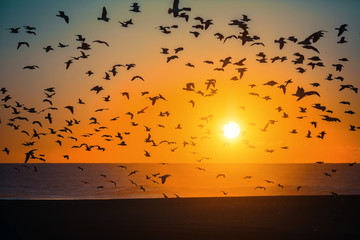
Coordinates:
<point>39,129</point>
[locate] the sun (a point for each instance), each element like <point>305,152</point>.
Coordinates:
<point>231,130</point>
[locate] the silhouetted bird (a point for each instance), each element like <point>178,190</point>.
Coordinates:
<point>164,177</point>
<point>62,15</point>
<point>135,8</point>
<point>104,15</point>
<point>175,10</point>
<point>341,29</point>
<point>22,43</point>
<point>300,93</point>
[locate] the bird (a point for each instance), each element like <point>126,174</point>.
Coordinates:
<point>258,43</point>
<point>270,83</point>
<point>29,154</point>
<point>135,77</point>
<point>164,51</point>
<point>301,70</point>
<point>104,15</point>
<point>22,43</point>
<point>330,119</point>
<point>126,94</point>
<point>240,62</point>
<point>68,63</point>
<point>342,40</point>
<point>102,42</point>
<point>300,93</point>
<point>341,29</point>
<point>89,73</point>
<point>6,150</point>
<point>268,181</point>
<point>31,67</point>
<point>292,38</point>
<point>171,58</point>
<point>165,30</point>
<point>338,67</point>
<point>281,42</point>
<point>321,135</point>
<point>210,83</point>
<point>48,48</point>
<point>195,33</point>
<point>14,30</point>
<point>80,38</point>
<point>219,36</point>
<point>352,128</point>
<point>135,8</point>
<point>163,178</point>
<point>126,23</point>
<point>175,10</point>
<point>62,45</point>
<point>189,87</point>
<point>97,89</point>
<point>49,118</point>
<point>207,23</point>
<point>192,103</point>
<point>64,16</point>
<point>327,174</point>
<point>225,61</point>
<point>133,172</point>
<point>220,175</point>
<point>122,166</point>
<point>70,108</point>
<point>147,154</point>
<point>178,49</point>
<point>293,131</point>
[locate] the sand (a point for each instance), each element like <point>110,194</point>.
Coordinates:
<point>284,217</point>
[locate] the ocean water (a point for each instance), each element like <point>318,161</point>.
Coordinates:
<point>67,181</point>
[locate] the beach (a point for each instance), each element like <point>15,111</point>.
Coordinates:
<point>266,217</point>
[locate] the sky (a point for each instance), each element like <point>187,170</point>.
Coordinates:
<point>141,44</point>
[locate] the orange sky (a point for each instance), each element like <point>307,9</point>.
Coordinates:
<point>141,44</point>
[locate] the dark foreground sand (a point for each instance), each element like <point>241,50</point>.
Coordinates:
<point>291,217</point>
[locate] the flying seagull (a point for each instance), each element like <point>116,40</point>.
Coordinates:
<point>104,15</point>
<point>64,16</point>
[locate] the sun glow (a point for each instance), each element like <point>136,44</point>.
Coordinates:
<point>231,130</point>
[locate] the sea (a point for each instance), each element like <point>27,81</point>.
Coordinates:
<point>114,181</point>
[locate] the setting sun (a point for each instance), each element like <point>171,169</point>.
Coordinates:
<point>231,130</point>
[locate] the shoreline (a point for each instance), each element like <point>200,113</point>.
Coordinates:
<point>194,198</point>
<point>296,217</point>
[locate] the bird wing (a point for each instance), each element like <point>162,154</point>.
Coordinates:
<point>312,93</point>
<point>104,13</point>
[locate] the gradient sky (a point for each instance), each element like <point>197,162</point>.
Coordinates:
<point>141,44</point>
